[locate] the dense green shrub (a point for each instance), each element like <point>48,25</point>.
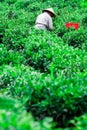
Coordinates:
<point>67,60</point>
<point>22,4</point>
<point>76,38</point>
<point>38,92</point>
<point>84,45</point>
<point>15,35</point>
<point>13,116</point>
<point>10,56</point>
<point>80,122</point>
<point>9,104</point>
<point>52,55</point>
<point>9,1</point>
<point>28,5</point>
<point>68,14</point>
<point>39,49</point>
<point>56,86</point>
<point>23,121</point>
<point>64,16</point>
<point>83,3</point>
<point>3,23</point>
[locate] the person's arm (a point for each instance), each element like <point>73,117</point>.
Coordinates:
<point>50,27</point>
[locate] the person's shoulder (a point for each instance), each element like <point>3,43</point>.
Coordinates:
<point>47,15</point>
<point>40,14</point>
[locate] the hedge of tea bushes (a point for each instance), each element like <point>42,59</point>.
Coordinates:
<point>24,121</point>
<point>76,38</point>
<point>78,123</point>
<point>60,98</point>
<point>12,35</point>
<point>45,71</point>
<point>52,55</point>
<point>14,116</point>
<point>15,17</point>
<point>10,56</point>
<point>12,19</point>
<point>69,15</point>
<point>9,104</point>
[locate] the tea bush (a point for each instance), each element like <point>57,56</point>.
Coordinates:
<point>14,36</point>
<point>10,56</point>
<point>52,55</point>
<point>68,14</point>
<point>80,122</point>
<point>9,1</point>
<point>37,49</point>
<point>13,116</point>
<point>24,121</point>
<point>76,38</point>
<point>9,104</point>
<point>42,73</point>
<point>38,97</point>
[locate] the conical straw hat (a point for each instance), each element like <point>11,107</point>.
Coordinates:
<point>50,10</point>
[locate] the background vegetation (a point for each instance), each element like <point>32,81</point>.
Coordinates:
<point>43,75</point>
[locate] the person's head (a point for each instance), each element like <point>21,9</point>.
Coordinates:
<point>50,12</point>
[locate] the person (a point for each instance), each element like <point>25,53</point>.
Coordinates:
<point>44,20</point>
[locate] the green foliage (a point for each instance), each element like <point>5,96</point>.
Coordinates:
<point>84,3</point>
<point>15,36</point>
<point>9,1</point>
<point>39,49</point>
<point>10,57</point>
<point>13,116</point>
<point>43,73</point>
<point>23,121</point>
<point>68,14</point>
<point>45,54</point>
<point>39,97</point>
<point>80,122</point>
<point>9,104</point>
<point>76,38</point>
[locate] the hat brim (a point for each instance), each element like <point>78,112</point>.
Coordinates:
<point>49,11</point>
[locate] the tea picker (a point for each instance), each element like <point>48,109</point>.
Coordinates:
<point>44,20</point>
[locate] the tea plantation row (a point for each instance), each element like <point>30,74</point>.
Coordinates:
<point>43,75</point>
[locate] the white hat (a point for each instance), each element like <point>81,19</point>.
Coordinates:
<point>50,10</point>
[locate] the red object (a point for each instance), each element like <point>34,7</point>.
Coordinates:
<point>75,25</point>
